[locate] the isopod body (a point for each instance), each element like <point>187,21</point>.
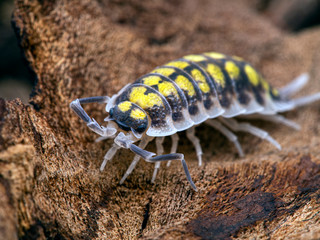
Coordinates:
<point>211,87</point>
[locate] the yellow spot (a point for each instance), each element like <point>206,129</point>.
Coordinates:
<point>185,85</point>
<point>137,114</point>
<point>215,55</point>
<point>124,106</point>
<point>238,58</point>
<point>275,92</point>
<point>180,80</point>
<point>167,88</point>
<point>164,71</point>
<point>216,74</point>
<point>151,80</point>
<point>232,69</point>
<point>252,75</point>
<point>143,100</point>
<point>195,58</point>
<point>178,64</point>
<point>201,80</point>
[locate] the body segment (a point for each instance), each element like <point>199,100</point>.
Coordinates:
<point>190,89</point>
<point>174,96</point>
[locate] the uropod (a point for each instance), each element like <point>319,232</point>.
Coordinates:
<point>213,88</point>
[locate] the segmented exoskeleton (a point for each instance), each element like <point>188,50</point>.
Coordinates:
<point>211,87</point>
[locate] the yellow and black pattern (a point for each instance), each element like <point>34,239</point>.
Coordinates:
<point>169,90</point>
<point>186,83</point>
<point>260,87</point>
<point>150,100</point>
<point>234,78</point>
<point>183,92</point>
<point>129,117</point>
<point>180,95</point>
<point>247,79</point>
<point>218,76</point>
<point>201,78</point>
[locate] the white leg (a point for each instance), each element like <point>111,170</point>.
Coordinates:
<point>246,127</point>
<point>226,132</point>
<point>276,119</point>
<point>99,139</point>
<point>196,143</point>
<point>125,141</point>
<point>159,141</point>
<point>281,119</point>
<point>174,146</point>
<point>109,155</point>
<point>143,143</point>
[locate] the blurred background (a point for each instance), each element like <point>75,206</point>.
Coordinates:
<point>16,79</point>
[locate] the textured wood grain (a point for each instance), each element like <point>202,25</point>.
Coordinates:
<point>50,183</point>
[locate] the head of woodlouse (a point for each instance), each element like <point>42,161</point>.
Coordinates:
<point>129,117</point>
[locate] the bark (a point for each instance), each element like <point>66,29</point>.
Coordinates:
<point>50,183</point>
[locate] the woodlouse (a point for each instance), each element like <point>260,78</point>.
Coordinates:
<point>211,87</point>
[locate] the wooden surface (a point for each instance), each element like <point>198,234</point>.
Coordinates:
<point>50,183</point>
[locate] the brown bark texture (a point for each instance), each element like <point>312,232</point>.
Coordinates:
<point>50,183</point>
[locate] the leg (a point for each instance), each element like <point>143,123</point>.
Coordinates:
<point>276,119</point>
<point>109,155</point>
<point>159,141</point>
<point>281,119</point>
<point>246,127</point>
<point>91,123</point>
<point>148,157</point>
<point>143,143</point>
<point>226,132</point>
<point>196,143</point>
<point>125,142</point>
<point>99,139</point>
<point>174,146</point>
